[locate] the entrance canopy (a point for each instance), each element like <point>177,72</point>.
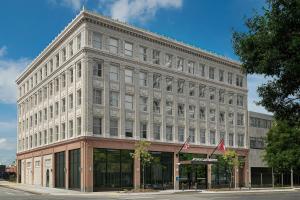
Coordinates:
<point>199,161</point>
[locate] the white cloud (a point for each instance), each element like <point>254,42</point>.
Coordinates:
<point>3,51</point>
<point>9,70</point>
<point>140,10</point>
<point>253,82</point>
<point>73,4</point>
<point>6,145</point>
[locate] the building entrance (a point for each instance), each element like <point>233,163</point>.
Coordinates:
<point>192,176</point>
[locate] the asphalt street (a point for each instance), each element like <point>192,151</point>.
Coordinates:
<point>9,194</point>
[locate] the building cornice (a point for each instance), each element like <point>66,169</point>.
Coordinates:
<point>159,39</point>
<point>91,17</point>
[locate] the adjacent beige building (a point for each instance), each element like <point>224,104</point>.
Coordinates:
<point>101,85</point>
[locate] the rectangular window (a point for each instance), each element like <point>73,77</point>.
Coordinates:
<point>45,114</point>
<point>180,86</point>
<point>230,98</point>
<point>71,48</point>
<point>97,69</point>
<point>229,78</point>
<point>143,104</point>
<point>143,79</point>
<point>129,102</point>
<point>143,53</point>
<point>113,45</point>
<point>78,125</point>
<point>221,75</point>
<point>97,126</point>
<point>128,49</point>
<point>202,91</point>
<point>128,76</point>
<point>202,111</point>
<point>211,73</point>
<point>63,105</point>
<point>56,85</point>
<point>240,100</point>
<point>169,107</point>
<point>71,75</point>
<point>156,131</point>
<point>71,128</point>
<point>114,99</point>
<point>222,117</point>
<point>78,67</point>
<point>192,110</point>
<point>64,54</point>
<point>230,139</point>
<point>97,96</point>
<point>143,130</point>
<point>180,134</point>
<point>96,40</point>
<point>51,111</point>
<point>169,133</point>
<point>114,73</point>
<point>241,140</point>
<point>191,67</point>
<point>240,119</point>
<point>45,137</point>
<point>212,137</point>
<point>155,56</point>
<point>156,81</point>
<point>222,136</point>
<point>56,108</point>
<point>50,135</point>
<point>202,69</point>
<point>156,106</point>
<point>57,60</point>
<point>212,93</point>
<point>180,110</point>
<point>63,131</point>
<point>114,127</point>
<point>79,97</point>
<point>192,89</point>
<point>56,133</point>
<point>230,118</point>
<point>221,96</point>
<point>128,128</point>
<point>45,71</point>
<point>202,136</point>
<point>239,81</point>
<point>63,80</point>
<point>212,114</point>
<point>169,83</point>
<point>192,135</point>
<point>70,101</point>
<point>168,60</point>
<point>51,65</point>
<point>79,41</point>
<point>180,64</point>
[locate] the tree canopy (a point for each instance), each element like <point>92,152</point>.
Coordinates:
<point>271,47</point>
<point>283,146</point>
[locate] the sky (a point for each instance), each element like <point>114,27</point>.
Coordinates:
<point>27,27</point>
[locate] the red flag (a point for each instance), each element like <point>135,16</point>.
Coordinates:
<point>221,146</point>
<point>186,145</point>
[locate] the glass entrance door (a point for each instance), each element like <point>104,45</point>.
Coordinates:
<point>60,170</point>
<point>74,168</point>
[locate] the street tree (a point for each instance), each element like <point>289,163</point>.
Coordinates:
<point>271,47</point>
<point>283,147</point>
<point>142,153</point>
<point>230,160</point>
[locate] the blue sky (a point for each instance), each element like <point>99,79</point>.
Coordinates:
<point>27,27</point>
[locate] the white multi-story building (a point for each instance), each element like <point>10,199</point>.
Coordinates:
<point>101,85</point>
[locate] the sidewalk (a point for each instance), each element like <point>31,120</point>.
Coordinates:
<point>57,192</point>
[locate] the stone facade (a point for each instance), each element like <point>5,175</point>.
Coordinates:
<point>102,83</point>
